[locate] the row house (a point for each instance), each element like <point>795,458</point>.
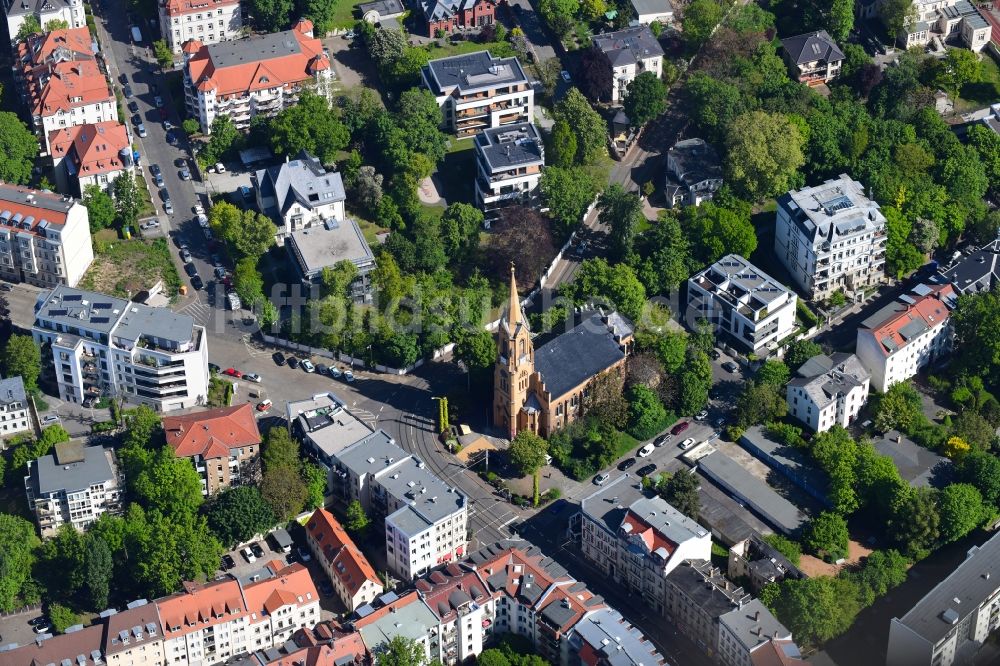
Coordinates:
<point>353,578</point>
<point>205,21</point>
<point>258,76</point>
<point>46,12</point>
<point>465,610</point>
<point>446,16</point>
<point>14,408</point>
<point>44,238</point>
<point>223,444</point>
<point>326,644</point>
<point>280,600</point>
<point>509,163</point>
<point>85,155</point>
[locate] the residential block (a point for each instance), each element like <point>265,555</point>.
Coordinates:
<point>223,444</point>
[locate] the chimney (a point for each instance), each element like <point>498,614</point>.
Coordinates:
<point>756,616</point>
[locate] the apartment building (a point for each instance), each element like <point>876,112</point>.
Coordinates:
<point>605,637</point>
<point>747,630</point>
<point>352,576</point>
<point>905,336</point>
<point>75,485</point>
<point>206,623</point>
<point>509,163</point>
<point>131,637</point>
<point>318,248</point>
<point>97,345</point>
<point>831,237</point>
<point>952,621</point>
<point>298,194</point>
<point>757,561</point>
<point>326,644</point>
<point>629,53</point>
<point>44,238</point>
<point>257,76</point>
<point>744,305</point>
<point>694,173</point>
<point>45,12</point>
<point>637,541</point>
<point>407,616</point>
<point>697,594</point>
<point>828,391</point>
<point>477,91</point>
<point>953,21</point>
<point>280,600</point>
<point>14,414</point>
<point>813,58</point>
<point>85,155</point>
<point>976,272</point>
<point>206,21</point>
<point>464,608</point>
<point>223,444</point>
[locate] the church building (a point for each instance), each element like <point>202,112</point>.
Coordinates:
<point>543,389</point>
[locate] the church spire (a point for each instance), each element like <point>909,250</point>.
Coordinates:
<point>514,316</point>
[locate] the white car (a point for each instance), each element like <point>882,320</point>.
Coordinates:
<point>248,555</point>
<point>202,221</point>
<point>702,415</point>
<point>646,450</point>
<point>687,443</point>
<point>348,376</point>
<point>220,167</point>
<point>308,366</point>
<point>198,209</point>
<point>142,131</point>
<point>601,478</point>
<point>50,419</point>
<point>565,76</point>
<point>335,372</point>
<point>252,377</point>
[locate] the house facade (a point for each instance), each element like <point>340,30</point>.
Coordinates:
<point>86,155</point>
<point>206,21</point>
<point>629,52</point>
<point>828,391</point>
<point>44,238</point>
<point>694,173</point>
<point>813,58</point>
<point>352,576</point>
<point>45,12</point>
<point>223,444</point>
<point>298,194</point>
<point>509,163</point>
<point>14,415</point>
<point>280,600</point>
<point>446,16</point>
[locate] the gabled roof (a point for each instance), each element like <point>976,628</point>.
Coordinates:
<point>36,7</point>
<point>12,390</point>
<point>897,324</point>
<point>212,433</point>
<point>291,586</point>
<point>55,46</point>
<point>200,606</point>
<point>575,356</point>
<point>302,181</point>
<point>67,85</point>
<point>811,47</point>
<point>448,590</point>
<point>181,7</point>
<point>346,560</point>
<point>94,149</point>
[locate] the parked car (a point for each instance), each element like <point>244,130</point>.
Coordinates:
<point>197,282</point>
<point>626,464</point>
<point>50,419</point>
<point>662,439</point>
<point>136,119</point>
<point>730,366</point>
<point>232,298</point>
<point>293,362</point>
<point>133,106</point>
<point>198,209</point>
<point>645,451</point>
<point>322,369</point>
<point>6,286</point>
<point>687,443</point>
<point>248,555</point>
<point>721,421</point>
<point>565,76</point>
<point>171,137</point>
<point>264,405</point>
<point>680,427</point>
<point>38,621</point>
<point>245,191</point>
<point>278,358</point>
<point>186,255</point>
<point>646,470</point>
<point>202,221</point>
<point>335,372</point>
<point>207,233</point>
<point>185,174</point>
<point>158,101</point>
<point>257,549</point>
<point>168,207</point>
<point>308,366</point>
<point>158,179</point>
<point>304,554</point>
<point>212,367</point>
<point>228,562</point>
<point>348,376</point>
<point>715,354</point>
<point>602,478</point>
<point>219,272</point>
<point>141,129</point>
<point>220,167</point>
<point>149,224</point>
<point>702,415</point>
<point>44,628</point>
<point>127,91</point>
<point>191,270</point>
<point>167,125</point>
<point>252,377</point>
<point>233,372</point>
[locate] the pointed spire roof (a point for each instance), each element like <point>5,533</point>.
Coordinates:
<point>513,318</point>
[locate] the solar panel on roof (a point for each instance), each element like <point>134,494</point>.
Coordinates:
<point>102,306</point>
<point>100,320</point>
<point>907,299</point>
<point>922,289</point>
<point>73,297</point>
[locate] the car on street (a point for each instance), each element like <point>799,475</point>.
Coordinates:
<point>257,549</point>
<point>149,224</point>
<point>168,207</point>
<point>348,376</point>
<point>184,174</point>
<point>565,76</point>
<point>233,372</point>
<point>127,91</point>
<point>123,78</point>
<point>602,478</point>
<point>212,367</point>
<point>308,366</point>
<point>197,282</point>
<point>228,562</point>
<point>646,470</point>
<point>293,362</point>
<point>248,555</point>
<point>141,129</point>
<point>158,179</point>
<point>304,554</point>
<point>207,233</point>
<point>171,137</point>
<point>278,358</point>
<point>645,451</point>
<point>133,106</point>
<point>50,419</point>
<point>220,167</point>
<point>45,628</point>
<point>202,221</point>
<point>6,286</point>
<point>164,194</point>
<point>715,354</point>
<point>191,270</point>
<point>730,366</point>
<point>662,439</point>
<point>158,101</point>
<point>626,464</point>
<point>687,443</point>
<point>322,369</point>
<point>219,272</point>
<point>335,372</point>
<point>679,428</point>
<point>252,377</point>
<point>702,415</point>
<point>136,119</point>
<point>198,209</point>
<point>245,191</point>
<point>721,421</point>
<point>186,255</point>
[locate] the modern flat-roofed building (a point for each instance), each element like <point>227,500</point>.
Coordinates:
<point>324,246</point>
<point>325,426</point>
<point>637,541</point>
<point>299,194</point>
<point>605,637</point>
<point>45,11</point>
<point>907,334</point>
<point>75,485</point>
<point>97,345</point>
<point>975,273</point>
<point>352,576</point>
<point>44,237</point>
<point>257,76</point>
<point>951,622</point>
<point>14,414</point>
<point>208,21</point>
<point>477,91</point>
<point>629,52</point>
<point>828,391</point>
<point>648,11</point>
<point>223,444</point>
<point>509,163</point>
<point>831,237</point>
<point>85,155</point>
<point>788,461</point>
<point>813,58</point>
<point>753,310</point>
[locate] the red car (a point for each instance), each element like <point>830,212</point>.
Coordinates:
<point>677,429</point>
<point>233,372</point>
<point>264,406</point>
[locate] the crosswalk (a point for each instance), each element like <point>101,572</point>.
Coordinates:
<point>198,310</point>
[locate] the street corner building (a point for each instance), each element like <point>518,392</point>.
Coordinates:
<point>542,390</point>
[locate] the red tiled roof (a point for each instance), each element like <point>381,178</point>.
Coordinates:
<point>650,537</point>
<point>38,48</point>
<point>773,654</point>
<point>191,46</point>
<point>344,557</point>
<point>26,210</point>
<point>212,433</point>
<point>94,148</point>
<point>181,7</point>
<point>66,85</point>
<point>930,310</point>
<point>200,606</point>
<point>256,75</point>
<point>290,586</point>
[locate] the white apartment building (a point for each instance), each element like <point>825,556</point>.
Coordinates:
<point>629,52</point>
<point>14,414</point>
<point>940,21</point>
<point>299,194</point>
<point>638,545</point>
<point>46,11</point>
<point>105,346</point>
<point>828,391</point>
<point>747,629</point>
<point>75,485</point>
<point>465,610</point>
<point>907,335</point>
<point>280,602</point>
<point>952,621</point>
<point>206,623</point>
<point>44,237</point>
<point>257,76</point>
<point>509,163</point>
<point>352,576</point>
<point>831,237</point>
<point>753,310</point>
<point>207,21</point>
<point>477,91</point>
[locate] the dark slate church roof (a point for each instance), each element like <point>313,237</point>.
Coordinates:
<point>580,353</point>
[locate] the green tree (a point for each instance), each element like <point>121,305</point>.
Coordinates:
<point>558,14</point>
<point>645,99</point>
<point>62,617</point>
<point>284,490</point>
<point>568,193</point>
<point>100,207</point>
<point>61,563</point>
<point>621,211</point>
<point>492,657</point>
<point>191,126</point>
<point>646,413</point>
<point>617,284</point>
<point>827,537</point>
<point>30,26</point>
<point>527,452</point>
<point>272,15</point>
<point>814,609</point>
<point>22,358</point>
<point>223,136</point>
<point>715,231</point>
<point>256,235</point>
<point>775,373</point>
<point>460,227</point>
<point>957,68</point>
<point>681,492</point>
<point>280,450</point>
<point>801,351</point>
<point>882,571</point>
<point>696,380</point>
<point>386,46</point>
<point>314,476</point>
<point>321,13</point>
<point>128,200</point>
<point>961,508</point>
<point>238,514</point>
<point>164,56</point>
<point>248,281</point>
<point>897,15</point>
<point>143,427</point>
<point>98,569</point>
<point>982,470</point>
<point>164,551</point>
<point>401,651</point>
<point>562,148</point>
<point>476,349</point>
<point>915,522</point>
<point>700,19</point>
<point>309,125</point>
<point>56,24</point>
<point>418,116</point>
<point>170,485</point>
<point>785,546</point>
<point>760,402</point>
<point>588,125</point>
<point>899,408</point>
<point>357,521</point>
<point>840,19</point>
<point>16,559</point>
<point>764,153</point>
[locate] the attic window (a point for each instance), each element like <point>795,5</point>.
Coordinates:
<point>264,79</point>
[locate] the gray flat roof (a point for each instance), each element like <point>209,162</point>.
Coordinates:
<point>324,246</point>
<point>763,499</point>
<point>653,6</point>
<point>424,494</point>
<point>741,281</point>
<point>510,145</point>
<point>609,503</point>
<point>253,49</point>
<point>969,585</point>
<point>325,420</point>
<point>49,476</point>
<point>786,460</point>
<point>57,203</point>
<point>470,71</point>
<point>76,308</point>
<point>159,323</point>
<point>12,390</point>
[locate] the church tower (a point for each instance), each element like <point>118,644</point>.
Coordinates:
<point>514,367</point>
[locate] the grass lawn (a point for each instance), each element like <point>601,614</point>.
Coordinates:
<point>370,230</point>
<point>123,268</point>
<point>343,14</point>
<point>985,92</point>
<point>496,49</point>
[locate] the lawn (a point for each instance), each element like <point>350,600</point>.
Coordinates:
<point>370,230</point>
<point>220,392</point>
<point>449,48</point>
<point>985,92</point>
<point>123,268</point>
<point>343,14</point>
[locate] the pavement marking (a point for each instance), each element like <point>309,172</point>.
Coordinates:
<point>198,310</point>
<point>254,349</point>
